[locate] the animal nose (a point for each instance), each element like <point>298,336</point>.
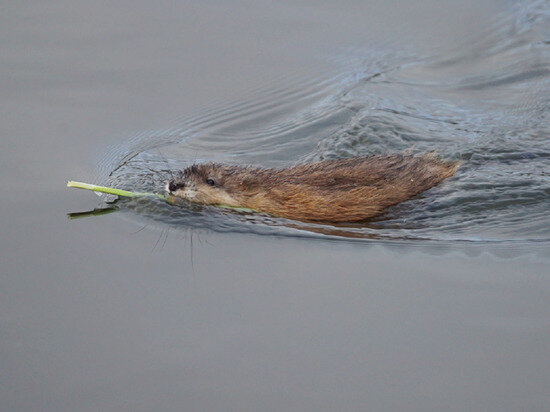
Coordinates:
<point>173,186</point>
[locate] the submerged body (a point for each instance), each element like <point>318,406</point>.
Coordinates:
<point>339,190</point>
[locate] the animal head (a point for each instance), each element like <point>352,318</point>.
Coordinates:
<point>209,184</point>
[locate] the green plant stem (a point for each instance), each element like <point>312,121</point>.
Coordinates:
<point>110,190</point>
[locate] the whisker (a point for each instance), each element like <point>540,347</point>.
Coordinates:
<point>139,230</point>
<point>165,239</point>
<point>191,252</point>
<point>158,240</point>
<point>164,159</point>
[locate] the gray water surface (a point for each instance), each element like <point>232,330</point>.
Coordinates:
<point>442,303</point>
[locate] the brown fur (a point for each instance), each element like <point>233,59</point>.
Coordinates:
<point>340,190</point>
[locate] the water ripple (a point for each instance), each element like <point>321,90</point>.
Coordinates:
<point>485,103</point>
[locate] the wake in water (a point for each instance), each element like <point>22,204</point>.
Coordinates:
<point>485,103</point>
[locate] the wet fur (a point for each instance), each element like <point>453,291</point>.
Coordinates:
<point>340,190</point>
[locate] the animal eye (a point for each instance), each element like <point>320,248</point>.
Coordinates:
<point>210,182</point>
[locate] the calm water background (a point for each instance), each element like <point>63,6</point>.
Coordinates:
<point>441,304</point>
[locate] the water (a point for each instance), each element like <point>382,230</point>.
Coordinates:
<point>442,303</point>
<point>484,102</point>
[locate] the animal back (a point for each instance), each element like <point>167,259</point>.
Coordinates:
<point>352,189</point>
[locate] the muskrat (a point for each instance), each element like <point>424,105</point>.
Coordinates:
<point>339,190</point>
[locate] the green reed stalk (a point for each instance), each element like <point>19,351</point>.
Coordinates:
<point>111,190</point>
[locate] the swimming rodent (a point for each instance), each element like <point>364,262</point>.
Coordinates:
<point>340,190</point>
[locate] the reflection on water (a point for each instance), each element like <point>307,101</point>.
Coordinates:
<point>485,103</point>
